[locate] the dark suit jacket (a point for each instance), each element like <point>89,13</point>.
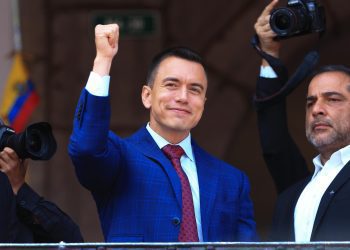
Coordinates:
<point>8,219</point>
<point>19,215</point>
<point>282,156</point>
<point>287,166</point>
<point>54,225</point>
<point>332,219</point>
<point>137,191</point>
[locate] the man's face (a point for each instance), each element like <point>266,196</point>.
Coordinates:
<point>176,99</point>
<point>328,111</point>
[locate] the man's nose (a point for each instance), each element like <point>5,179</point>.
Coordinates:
<point>318,109</point>
<point>182,94</point>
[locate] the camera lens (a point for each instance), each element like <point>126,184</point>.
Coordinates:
<point>292,20</point>
<point>34,141</point>
<point>39,141</point>
<point>282,22</point>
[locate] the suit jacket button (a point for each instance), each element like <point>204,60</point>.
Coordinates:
<point>175,221</point>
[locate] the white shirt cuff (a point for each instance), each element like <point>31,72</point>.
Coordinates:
<point>98,85</point>
<point>267,72</point>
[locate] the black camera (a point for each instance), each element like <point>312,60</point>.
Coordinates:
<point>35,142</point>
<point>298,18</point>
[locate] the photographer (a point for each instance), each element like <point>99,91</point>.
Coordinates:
<point>268,85</point>
<point>313,208</point>
<point>39,220</point>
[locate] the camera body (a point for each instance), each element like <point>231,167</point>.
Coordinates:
<point>35,142</point>
<point>300,17</point>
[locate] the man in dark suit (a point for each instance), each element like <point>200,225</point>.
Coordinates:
<point>315,208</point>
<point>140,191</point>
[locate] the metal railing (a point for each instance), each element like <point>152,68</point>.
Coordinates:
<point>189,246</point>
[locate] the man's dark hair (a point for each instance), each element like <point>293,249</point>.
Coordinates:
<point>180,52</point>
<point>331,68</point>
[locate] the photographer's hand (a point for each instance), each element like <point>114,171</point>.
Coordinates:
<point>106,40</point>
<point>13,167</point>
<point>265,33</point>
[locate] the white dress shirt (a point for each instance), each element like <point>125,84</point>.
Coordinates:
<point>309,200</point>
<point>99,86</point>
<point>267,72</point>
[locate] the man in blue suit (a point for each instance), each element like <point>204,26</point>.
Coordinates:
<point>139,195</point>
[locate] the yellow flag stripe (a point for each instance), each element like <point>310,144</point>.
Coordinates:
<point>17,78</point>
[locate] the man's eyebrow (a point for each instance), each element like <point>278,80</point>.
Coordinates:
<point>332,93</point>
<point>172,79</point>
<point>326,94</point>
<point>310,98</point>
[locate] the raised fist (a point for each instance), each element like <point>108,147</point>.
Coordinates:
<point>106,40</point>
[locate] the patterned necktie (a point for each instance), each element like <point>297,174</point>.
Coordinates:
<point>188,228</point>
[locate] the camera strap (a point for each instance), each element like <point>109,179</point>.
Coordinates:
<point>304,69</point>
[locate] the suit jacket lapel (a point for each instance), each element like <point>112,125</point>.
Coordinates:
<point>207,181</point>
<point>145,143</point>
<point>207,177</point>
<point>342,177</point>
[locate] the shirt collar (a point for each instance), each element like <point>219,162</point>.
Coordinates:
<point>161,142</point>
<point>318,165</point>
<point>345,154</point>
<point>342,156</point>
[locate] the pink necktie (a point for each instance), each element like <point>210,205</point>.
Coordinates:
<point>188,228</point>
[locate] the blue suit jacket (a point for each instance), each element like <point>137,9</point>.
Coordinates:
<point>137,191</point>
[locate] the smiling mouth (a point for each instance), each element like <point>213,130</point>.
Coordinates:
<point>179,110</point>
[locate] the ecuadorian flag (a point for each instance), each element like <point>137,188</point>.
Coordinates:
<point>19,98</point>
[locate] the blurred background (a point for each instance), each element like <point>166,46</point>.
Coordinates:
<point>58,51</point>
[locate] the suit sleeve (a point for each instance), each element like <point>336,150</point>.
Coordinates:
<point>247,225</point>
<point>282,157</point>
<point>45,220</point>
<point>94,150</point>
<point>8,219</point>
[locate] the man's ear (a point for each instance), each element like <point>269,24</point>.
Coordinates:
<point>146,96</point>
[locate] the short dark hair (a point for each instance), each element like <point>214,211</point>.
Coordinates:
<point>180,52</point>
<point>331,68</point>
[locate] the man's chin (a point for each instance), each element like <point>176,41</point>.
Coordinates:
<point>321,140</point>
<point>179,127</point>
